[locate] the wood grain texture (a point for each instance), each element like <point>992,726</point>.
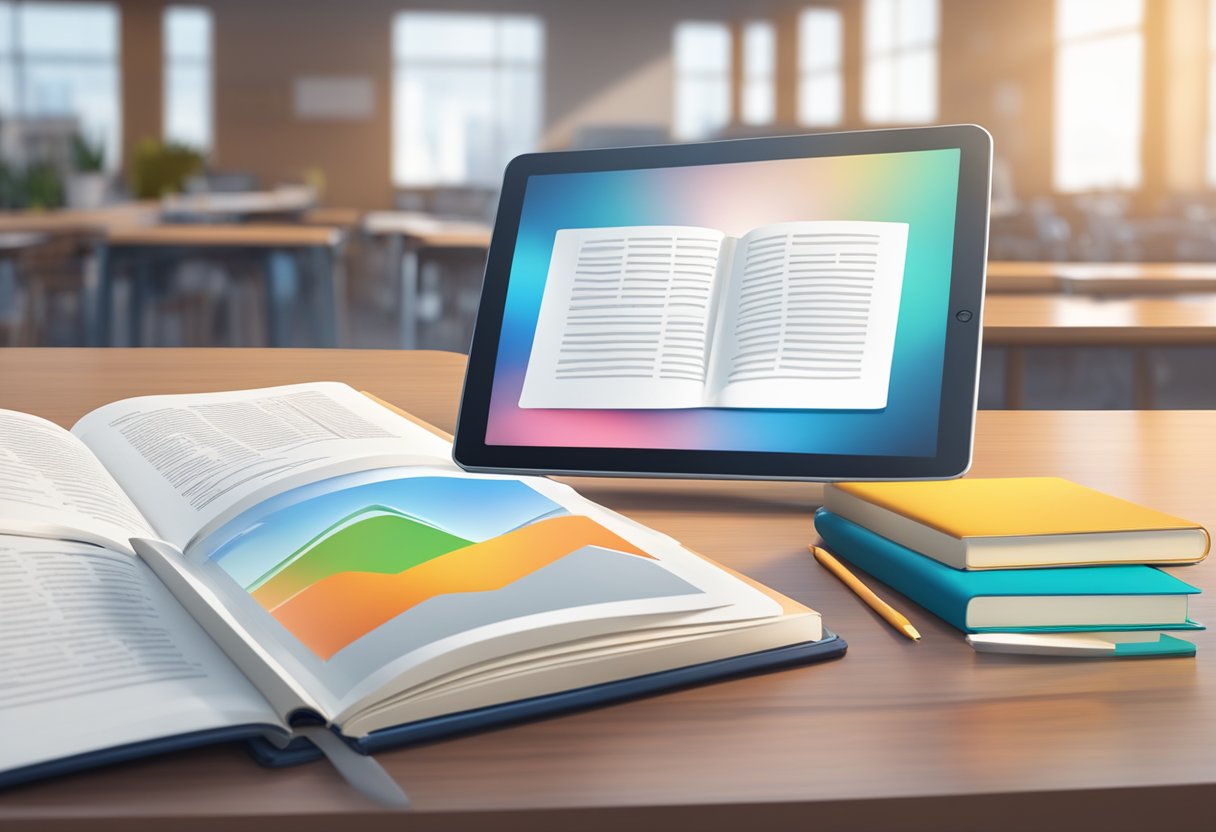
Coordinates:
<point>1017,320</point>
<point>897,735</point>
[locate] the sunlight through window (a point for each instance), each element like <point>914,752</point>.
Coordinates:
<point>820,76</point>
<point>702,70</point>
<point>1099,94</point>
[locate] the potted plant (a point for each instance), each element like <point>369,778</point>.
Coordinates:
<point>88,184</point>
<point>42,188</point>
<point>159,169</point>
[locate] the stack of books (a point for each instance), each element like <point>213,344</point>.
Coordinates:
<point>1035,564</point>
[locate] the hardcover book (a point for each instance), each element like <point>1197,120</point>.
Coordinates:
<point>1007,522</point>
<point>185,569</point>
<point>1095,598</point>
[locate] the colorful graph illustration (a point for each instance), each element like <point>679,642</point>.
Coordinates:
<point>366,555</point>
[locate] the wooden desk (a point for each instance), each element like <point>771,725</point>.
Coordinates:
<point>1020,321</point>
<point>1011,276</point>
<point>412,236</point>
<point>339,217</point>
<point>239,206</point>
<point>1057,321</point>
<point>1101,278</point>
<point>427,230</point>
<point>224,236</point>
<point>897,735</point>
<point>146,247</point>
<point>70,221</point>
<point>23,325</point>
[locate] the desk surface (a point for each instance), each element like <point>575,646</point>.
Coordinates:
<point>428,230</point>
<point>340,217</point>
<point>223,235</point>
<point>285,200</point>
<point>1101,278</point>
<point>1075,320</point>
<point>897,735</point>
<point>70,221</point>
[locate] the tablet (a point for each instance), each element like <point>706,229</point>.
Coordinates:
<point>802,307</point>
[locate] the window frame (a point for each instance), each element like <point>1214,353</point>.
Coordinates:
<point>766,81</point>
<point>899,51</point>
<point>497,64</point>
<point>20,59</point>
<point>833,72</point>
<point>680,74</point>
<point>1062,43</point>
<point>1210,148</point>
<point>207,62</point>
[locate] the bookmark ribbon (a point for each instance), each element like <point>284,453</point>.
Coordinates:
<point>361,771</point>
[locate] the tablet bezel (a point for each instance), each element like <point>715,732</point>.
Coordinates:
<point>960,376</point>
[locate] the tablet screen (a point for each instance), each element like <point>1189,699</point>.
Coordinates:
<point>791,305</point>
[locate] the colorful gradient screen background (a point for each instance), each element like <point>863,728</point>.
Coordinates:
<point>919,188</point>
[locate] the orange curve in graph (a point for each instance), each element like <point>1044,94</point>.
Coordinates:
<point>339,609</point>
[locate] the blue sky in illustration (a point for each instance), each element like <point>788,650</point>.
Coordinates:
<point>475,509</point>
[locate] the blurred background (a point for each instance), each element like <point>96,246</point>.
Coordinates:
<point>313,173</point>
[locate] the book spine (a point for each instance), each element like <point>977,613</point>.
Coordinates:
<point>909,573</point>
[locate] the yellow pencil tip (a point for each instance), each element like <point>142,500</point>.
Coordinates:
<point>911,632</point>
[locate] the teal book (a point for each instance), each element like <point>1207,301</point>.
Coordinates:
<point>1073,599</point>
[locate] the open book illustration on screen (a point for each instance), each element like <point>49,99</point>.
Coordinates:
<point>797,315</point>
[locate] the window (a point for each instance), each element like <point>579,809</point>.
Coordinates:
<point>702,70</point>
<point>1212,93</point>
<point>60,60</point>
<point>1099,89</point>
<point>759,69</point>
<point>820,75</point>
<point>900,74</point>
<point>467,96</point>
<point>187,90</point>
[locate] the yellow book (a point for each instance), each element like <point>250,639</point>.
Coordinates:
<point>1014,522</point>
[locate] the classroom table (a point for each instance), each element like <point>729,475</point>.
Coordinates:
<point>896,735</point>
<point>411,238</point>
<point>1101,278</point>
<point>286,203</point>
<point>1057,320</point>
<point>13,244</point>
<point>145,248</point>
<point>74,221</point>
<point>1017,322</point>
<point>86,229</point>
<point>338,217</point>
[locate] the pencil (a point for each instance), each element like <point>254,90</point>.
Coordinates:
<point>893,617</point>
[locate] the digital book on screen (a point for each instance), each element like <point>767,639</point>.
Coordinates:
<point>796,307</point>
<point>794,315</point>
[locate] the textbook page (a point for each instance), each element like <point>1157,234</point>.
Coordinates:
<point>625,318</point>
<point>51,485</point>
<point>809,316</point>
<point>363,585</point>
<point>190,461</point>
<point>95,653</point>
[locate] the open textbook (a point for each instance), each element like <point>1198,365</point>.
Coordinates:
<point>194,568</point>
<point>797,315</point>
